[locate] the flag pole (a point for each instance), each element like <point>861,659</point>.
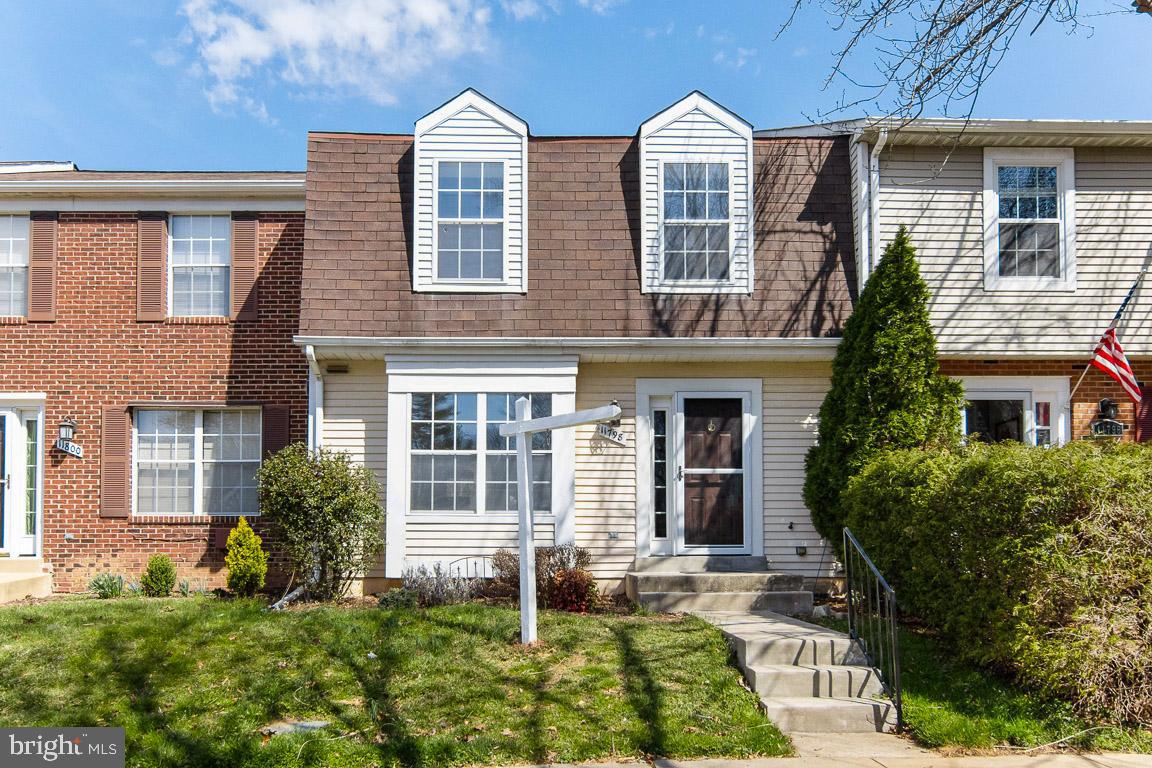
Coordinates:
<point>1115,321</point>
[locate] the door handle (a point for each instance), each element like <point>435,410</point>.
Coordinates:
<point>679,473</point>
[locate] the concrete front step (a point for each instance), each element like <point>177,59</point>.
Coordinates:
<point>830,715</point>
<point>17,586</point>
<point>786,602</point>
<point>824,681</point>
<point>22,565</point>
<point>760,581</point>
<point>811,650</point>
<point>699,564</point>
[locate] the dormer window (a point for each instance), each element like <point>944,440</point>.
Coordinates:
<point>696,222</point>
<point>696,164</point>
<point>470,221</point>
<point>471,159</point>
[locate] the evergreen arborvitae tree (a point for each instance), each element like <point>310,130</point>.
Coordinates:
<point>886,388</point>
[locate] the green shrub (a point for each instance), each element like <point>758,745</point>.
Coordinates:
<point>505,581</point>
<point>246,560</point>
<point>398,597</point>
<point>1037,562</point>
<point>159,577</point>
<point>886,390</point>
<point>107,585</point>
<point>327,513</point>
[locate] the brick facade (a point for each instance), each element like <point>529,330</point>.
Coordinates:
<point>1085,401</point>
<point>97,354</point>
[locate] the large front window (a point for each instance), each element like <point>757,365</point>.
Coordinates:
<point>201,257</point>
<point>696,222</point>
<point>470,221</point>
<point>196,462</point>
<point>455,441</point>
<point>13,266</point>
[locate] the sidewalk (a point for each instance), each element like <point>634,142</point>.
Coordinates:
<point>1111,760</point>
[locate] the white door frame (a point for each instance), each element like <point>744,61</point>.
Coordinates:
<point>16,409</point>
<point>665,392</point>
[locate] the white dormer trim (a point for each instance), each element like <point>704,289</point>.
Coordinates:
<point>677,135</point>
<point>470,127</point>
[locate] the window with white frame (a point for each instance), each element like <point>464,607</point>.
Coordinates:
<point>456,441</point>
<point>200,258</point>
<point>13,266</point>
<point>1030,229</point>
<point>470,220</point>
<point>696,222</point>
<point>1028,410</point>
<point>196,462</point>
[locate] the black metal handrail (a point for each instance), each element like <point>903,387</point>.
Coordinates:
<point>872,619</point>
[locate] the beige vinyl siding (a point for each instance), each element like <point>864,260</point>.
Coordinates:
<point>939,198</point>
<point>355,420</point>
<point>470,135</point>
<point>701,134</point>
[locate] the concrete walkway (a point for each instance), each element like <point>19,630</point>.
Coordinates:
<point>863,761</point>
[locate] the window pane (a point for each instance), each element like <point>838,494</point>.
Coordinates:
<point>422,407</point>
<point>695,175</point>
<point>992,421</point>
<point>717,176</point>
<point>449,207</point>
<point>470,236</point>
<point>449,175</point>
<point>422,436</point>
<point>695,205</point>
<point>493,176</point>
<point>673,176</point>
<point>673,265</point>
<point>493,205</point>
<point>471,265</point>
<point>718,205</point>
<point>13,291</point>
<point>448,264</point>
<point>673,206</point>
<point>493,267</point>
<point>470,175</point>
<point>470,205</point>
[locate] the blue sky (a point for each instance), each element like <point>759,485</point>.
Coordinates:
<point>235,84</point>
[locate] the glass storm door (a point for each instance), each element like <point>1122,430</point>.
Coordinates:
<point>710,475</point>
<point>19,482</point>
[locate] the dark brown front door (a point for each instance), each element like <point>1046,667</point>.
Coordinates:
<point>713,471</point>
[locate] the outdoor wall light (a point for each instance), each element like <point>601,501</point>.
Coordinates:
<point>615,423</point>
<point>68,429</point>
<point>801,550</point>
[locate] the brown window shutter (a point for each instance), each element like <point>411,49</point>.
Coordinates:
<point>151,266</point>
<point>42,267</point>
<point>245,227</point>
<point>277,428</point>
<point>1144,417</point>
<point>115,462</point>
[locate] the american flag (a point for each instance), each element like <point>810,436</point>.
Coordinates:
<point>1111,359</point>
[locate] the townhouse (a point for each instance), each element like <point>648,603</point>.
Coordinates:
<point>1029,234</point>
<point>148,363</point>
<point>693,273</point>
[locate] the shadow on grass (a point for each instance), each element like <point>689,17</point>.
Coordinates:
<point>644,693</point>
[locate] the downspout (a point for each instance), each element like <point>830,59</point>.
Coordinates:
<point>874,198</point>
<point>315,400</point>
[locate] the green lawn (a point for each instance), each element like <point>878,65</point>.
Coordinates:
<point>953,705</point>
<point>194,680</point>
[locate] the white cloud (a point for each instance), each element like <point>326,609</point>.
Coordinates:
<point>665,31</point>
<point>600,6</point>
<point>736,58</point>
<point>522,9</point>
<point>366,48</point>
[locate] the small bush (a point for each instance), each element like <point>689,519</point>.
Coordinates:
<point>327,513</point>
<point>159,577</point>
<point>436,586</point>
<point>1036,562</point>
<point>107,585</point>
<point>505,582</point>
<point>574,590</point>
<point>246,560</point>
<point>399,598</point>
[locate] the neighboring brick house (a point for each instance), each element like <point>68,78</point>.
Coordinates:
<point>156,310</point>
<point>696,275</point>
<point>1029,234</point>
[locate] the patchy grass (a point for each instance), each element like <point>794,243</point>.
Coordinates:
<point>194,680</point>
<point>955,706</point>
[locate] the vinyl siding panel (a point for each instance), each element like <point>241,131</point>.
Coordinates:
<point>355,420</point>
<point>469,135</point>
<point>939,198</point>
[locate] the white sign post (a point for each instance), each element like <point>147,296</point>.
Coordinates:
<point>523,429</point>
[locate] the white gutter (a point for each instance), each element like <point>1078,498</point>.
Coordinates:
<point>810,348</point>
<point>874,199</point>
<point>315,400</point>
<point>288,187</point>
